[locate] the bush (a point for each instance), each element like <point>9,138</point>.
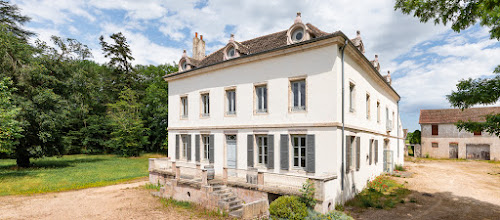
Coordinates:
<point>399,167</point>
<point>337,215</point>
<point>308,191</point>
<point>288,207</point>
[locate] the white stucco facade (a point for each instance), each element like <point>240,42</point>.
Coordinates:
<point>319,63</point>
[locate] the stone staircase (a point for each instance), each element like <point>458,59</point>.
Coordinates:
<point>228,201</point>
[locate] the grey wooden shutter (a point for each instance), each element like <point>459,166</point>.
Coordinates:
<point>348,153</point>
<point>177,153</point>
<point>270,151</point>
<point>197,147</point>
<point>370,145</point>
<point>211,150</point>
<point>189,147</point>
<point>284,151</point>
<point>310,154</point>
<point>376,151</point>
<point>358,153</point>
<point>250,150</point>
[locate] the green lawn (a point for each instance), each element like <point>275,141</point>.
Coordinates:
<point>69,172</point>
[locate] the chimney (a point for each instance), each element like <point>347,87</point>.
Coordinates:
<point>298,19</point>
<point>198,47</point>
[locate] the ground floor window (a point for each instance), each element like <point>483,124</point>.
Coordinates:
<point>299,150</point>
<point>262,149</point>
<point>184,145</point>
<point>206,146</point>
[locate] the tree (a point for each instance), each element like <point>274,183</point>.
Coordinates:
<point>13,20</point>
<point>414,137</point>
<point>120,58</point>
<point>128,136</point>
<point>10,128</point>
<point>463,14</point>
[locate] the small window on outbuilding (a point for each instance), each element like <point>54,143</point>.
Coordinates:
<point>435,145</point>
<point>477,133</point>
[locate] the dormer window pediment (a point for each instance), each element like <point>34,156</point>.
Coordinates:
<point>298,32</point>
<point>231,51</point>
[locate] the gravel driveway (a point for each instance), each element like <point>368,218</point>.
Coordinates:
<point>446,189</point>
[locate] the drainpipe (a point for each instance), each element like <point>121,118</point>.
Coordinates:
<point>343,119</point>
<point>397,140</point>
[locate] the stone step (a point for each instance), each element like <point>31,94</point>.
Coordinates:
<point>234,202</point>
<point>222,191</point>
<point>236,213</point>
<point>235,207</point>
<point>229,198</point>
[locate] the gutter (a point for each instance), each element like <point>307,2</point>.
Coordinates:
<point>343,118</point>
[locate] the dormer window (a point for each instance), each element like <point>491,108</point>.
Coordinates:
<point>184,65</point>
<point>230,52</point>
<point>298,35</point>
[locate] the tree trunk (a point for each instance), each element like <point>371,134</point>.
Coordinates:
<point>22,157</point>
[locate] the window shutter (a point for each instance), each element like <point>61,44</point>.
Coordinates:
<point>270,151</point>
<point>284,152</point>
<point>358,153</point>
<point>348,153</point>
<point>189,147</point>
<point>211,149</point>
<point>177,153</point>
<point>310,154</point>
<point>197,147</point>
<point>370,151</point>
<point>250,150</point>
<point>376,151</point>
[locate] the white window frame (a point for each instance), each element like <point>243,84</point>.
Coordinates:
<point>299,147</point>
<point>262,156</point>
<point>378,111</point>
<point>205,104</point>
<point>184,141</point>
<point>368,109</point>
<point>352,97</point>
<point>301,95</point>
<point>261,101</point>
<point>231,103</point>
<point>184,107</point>
<point>205,141</point>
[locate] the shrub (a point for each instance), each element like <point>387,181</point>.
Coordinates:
<point>399,167</point>
<point>337,215</point>
<point>288,207</point>
<point>308,191</point>
<point>381,193</point>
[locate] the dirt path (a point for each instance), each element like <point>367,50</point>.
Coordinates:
<point>446,189</point>
<point>123,201</point>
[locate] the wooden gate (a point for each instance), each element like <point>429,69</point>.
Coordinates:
<point>478,151</point>
<point>453,151</point>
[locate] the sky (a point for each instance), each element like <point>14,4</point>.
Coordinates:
<point>426,60</point>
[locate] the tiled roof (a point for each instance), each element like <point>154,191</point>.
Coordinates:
<point>259,44</point>
<point>442,116</point>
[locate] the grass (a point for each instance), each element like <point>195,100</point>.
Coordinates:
<point>193,209</point>
<point>399,167</point>
<point>53,174</point>
<point>381,193</point>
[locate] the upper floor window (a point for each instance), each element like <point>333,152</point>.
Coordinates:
<point>184,107</point>
<point>261,98</point>
<point>231,102</point>
<point>262,149</point>
<point>351,97</point>
<point>298,95</point>
<point>298,35</point>
<point>367,106</point>
<point>393,119</point>
<point>435,130</point>
<point>378,112</point>
<point>205,100</point>
<point>184,65</point>
<point>230,52</point>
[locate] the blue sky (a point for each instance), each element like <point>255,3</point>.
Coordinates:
<point>426,61</point>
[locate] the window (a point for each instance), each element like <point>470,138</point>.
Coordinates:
<point>184,107</point>
<point>387,119</point>
<point>435,145</point>
<point>298,95</point>
<point>435,130</point>
<point>184,65</point>
<point>206,146</point>
<point>393,119</point>
<point>205,99</point>
<point>261,93</point>
<point>298,35</point>
<point>378,112</point>
<point>477,133</point>
<point>230,52</point>
<point>351,97</point>
<point>299,151</point>
<point>231,102</point>
<point>262,149</point>
<point>184,145</point>
<point>367,106</point>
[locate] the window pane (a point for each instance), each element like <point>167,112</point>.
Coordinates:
<point>259,98</point>
<point>296,151</point>
<point>265,97</point>
<point>302,94</point>
<point>303,152</point>
<point>302,141</point>
<point>303,162</point>
<point>296,162</point>
<point>295,91</point>
<point>295,141</point>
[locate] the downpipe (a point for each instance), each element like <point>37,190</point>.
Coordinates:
<point>343,120</point>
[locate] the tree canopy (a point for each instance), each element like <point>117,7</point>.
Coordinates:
<point>463,14</point>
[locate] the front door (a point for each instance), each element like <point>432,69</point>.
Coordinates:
<point>453,150</point>
<point>231,151</point>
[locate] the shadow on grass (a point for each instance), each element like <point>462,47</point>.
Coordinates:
<point>9,171</point>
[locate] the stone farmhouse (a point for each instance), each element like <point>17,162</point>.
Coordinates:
<point>442,139</point>
<point>268,114</point>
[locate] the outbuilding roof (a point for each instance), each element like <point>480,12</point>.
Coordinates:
<point>446,116</point>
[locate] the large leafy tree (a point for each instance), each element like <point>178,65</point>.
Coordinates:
<point>463,14</point>
<point>121,59</point>
<point>10,128</point>
<point>11,18</point>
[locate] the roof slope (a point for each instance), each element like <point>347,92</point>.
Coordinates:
<point>442,116</point>
<point>259,44</point>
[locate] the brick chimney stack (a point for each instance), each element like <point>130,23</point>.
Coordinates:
<point>198,47</point>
